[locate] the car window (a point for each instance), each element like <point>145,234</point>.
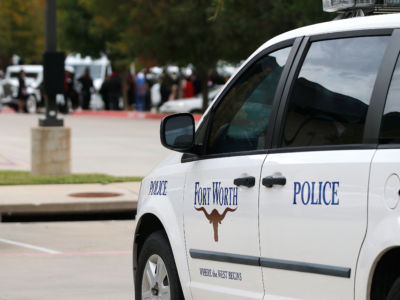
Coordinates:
<point>241,119</point>
<point>330,98</point>
<point>390,127</point>
<point>94,69</point>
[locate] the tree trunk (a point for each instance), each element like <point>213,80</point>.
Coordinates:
<point>204,90</point>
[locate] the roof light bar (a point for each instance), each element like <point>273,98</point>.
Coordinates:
<point>343,5</point>
<point>375,6</point>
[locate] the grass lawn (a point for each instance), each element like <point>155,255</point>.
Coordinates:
<point>25,178</point>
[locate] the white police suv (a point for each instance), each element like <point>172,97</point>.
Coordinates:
<point>289,188</point>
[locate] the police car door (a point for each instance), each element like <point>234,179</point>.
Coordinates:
<point>222,185</point>
<point>313,194</point>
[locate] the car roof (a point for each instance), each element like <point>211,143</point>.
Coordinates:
<point>26,68</point>
<point>386,21</point>
<point>351,24</point>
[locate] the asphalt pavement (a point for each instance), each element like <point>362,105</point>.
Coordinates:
<point>66,260</point>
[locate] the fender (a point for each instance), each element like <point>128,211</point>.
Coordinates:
<point>380,238</point>
<point>168,208</point>
<point>383,232</point>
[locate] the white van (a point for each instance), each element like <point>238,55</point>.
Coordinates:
<point>99,69</point>
<point>33,80</point>
<point>289,188</point>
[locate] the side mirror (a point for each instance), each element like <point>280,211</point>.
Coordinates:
<point>177,132</point>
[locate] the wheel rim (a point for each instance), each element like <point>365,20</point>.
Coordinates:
<point>31,104</point>
<point>155,282</point>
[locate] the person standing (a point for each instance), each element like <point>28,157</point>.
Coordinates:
<point>22,92</point>
<point>104,93</point>
<point>68,91</point>
<point>86,88</point>
<point>131,92</point>
<point>187,87</point>
<point>140,104</point>
<point>165,88</point>
<point>149,84</point>
<point>114,90</point>
<point>174,88</point>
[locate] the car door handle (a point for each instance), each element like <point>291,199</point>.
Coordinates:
<point>270,181</point>
<point>245,181</point>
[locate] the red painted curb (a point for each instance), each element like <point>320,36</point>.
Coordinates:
<point>124,114</point>
<point>7,110</point>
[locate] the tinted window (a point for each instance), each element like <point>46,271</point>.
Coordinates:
<point>330,98</point>
<point>241,120</point>
<point>390,127</point>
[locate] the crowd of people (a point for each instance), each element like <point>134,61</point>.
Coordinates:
<point>144,89</point>
<point>140,91</point>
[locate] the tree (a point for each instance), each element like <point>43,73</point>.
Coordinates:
<point>74,28</point>
<point>199,32</point>
<point>94,27</point>
<point>175,31</point>
<point>21,30</point>
<point>203,31</point>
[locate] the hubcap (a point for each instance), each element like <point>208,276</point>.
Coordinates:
<point>31,104</point>
<point>155,282</point>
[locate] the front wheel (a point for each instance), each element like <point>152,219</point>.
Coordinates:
<point>156,275</point>
<point>31,104</point>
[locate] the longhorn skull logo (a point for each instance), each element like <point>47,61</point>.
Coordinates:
<point>215,218</point>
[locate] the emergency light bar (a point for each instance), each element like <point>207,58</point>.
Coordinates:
<point>375,6</point>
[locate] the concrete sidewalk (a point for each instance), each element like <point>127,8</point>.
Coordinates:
<point>68,198</point>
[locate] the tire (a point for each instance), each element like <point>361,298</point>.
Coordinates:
<point>394,292</point>
<point>155,255</point>
<point>30,104</point>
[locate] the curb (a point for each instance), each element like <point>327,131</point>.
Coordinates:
<point>125,114</point>
<point>47,200</point>
<point>68,208</point>
<point>7,110</point>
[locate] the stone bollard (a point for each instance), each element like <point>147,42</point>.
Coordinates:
<point>51,151</point>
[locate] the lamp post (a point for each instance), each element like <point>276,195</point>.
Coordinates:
<point>53,68</point>
<point>51,141</point>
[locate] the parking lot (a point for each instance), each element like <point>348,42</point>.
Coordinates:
<point>66,260</point>
<point>84,259</point>
<point>115,146</point>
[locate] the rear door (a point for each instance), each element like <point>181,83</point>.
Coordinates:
<point>313,197</point>
<point>383,215</point>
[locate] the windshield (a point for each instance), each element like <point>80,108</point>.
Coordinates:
<point>31,75</point>
<point>95,70</point>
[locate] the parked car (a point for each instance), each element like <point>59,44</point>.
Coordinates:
<point>191,105</point>
<point>289,187</point>
<point>34,78</point>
